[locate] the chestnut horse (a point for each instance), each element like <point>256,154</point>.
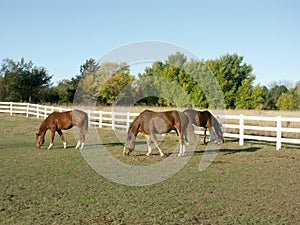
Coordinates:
<point>58,121</point>
<point>150,123</point>
<point>206,120</point>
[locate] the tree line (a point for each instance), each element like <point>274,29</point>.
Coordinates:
<point>186,79</point>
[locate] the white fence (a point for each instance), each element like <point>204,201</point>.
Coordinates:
<point>240,126</point>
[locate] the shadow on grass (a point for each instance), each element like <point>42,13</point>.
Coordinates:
<point>228,151</point>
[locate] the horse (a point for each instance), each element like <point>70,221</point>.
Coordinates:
<point>151,123</point>
<point>206,120</point>
<point>58,121</point>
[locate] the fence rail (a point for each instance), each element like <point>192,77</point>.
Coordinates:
<point>239,126</point>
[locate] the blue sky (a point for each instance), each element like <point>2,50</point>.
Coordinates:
<point>61,35</point>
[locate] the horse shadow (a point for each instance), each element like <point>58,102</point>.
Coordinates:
<point>228,151</point>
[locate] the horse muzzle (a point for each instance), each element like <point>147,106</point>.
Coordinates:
<point>127,151</point>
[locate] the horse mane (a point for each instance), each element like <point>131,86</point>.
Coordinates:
<point>215,122</point>
<point>135,125</point>
<point>43,127</point>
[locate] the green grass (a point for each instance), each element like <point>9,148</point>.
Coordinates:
<point>252,184</point>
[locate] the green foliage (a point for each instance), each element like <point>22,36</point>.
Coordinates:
<point>115,85</point>
<point>102,83</point>
<point>177,60</point>
<point>249,97</point>
<point>273,95</point>
<point>23,81</point>
<point>230,72</point>
<point>225,82</point>
<point>288,101</point>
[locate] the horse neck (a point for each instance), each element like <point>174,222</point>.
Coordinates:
<point>134,129</point>
<point>216,125</point>
<point>43,128</point>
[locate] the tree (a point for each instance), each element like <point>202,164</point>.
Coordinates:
<point>115,86</point>
<point>177,60</point>
<point>248,97</point>
<point>230,72</point>
<point>289,100</point>
<point>65,90</point>
<point>273,95</point>
<point>23,81</point>
<point>167,84</point>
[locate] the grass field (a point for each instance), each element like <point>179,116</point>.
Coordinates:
<point>252,184</point>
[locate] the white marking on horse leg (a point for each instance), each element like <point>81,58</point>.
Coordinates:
<point>82,145</point>
<point>160,151</point>
<point>149,150</point>
<point>148,140</point>
<point>65,145</point>
<point>50,146</point>
<point>181,150</point>
<point>78,144</point>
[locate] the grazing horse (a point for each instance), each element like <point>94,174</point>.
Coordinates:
<point>150,123</point>
<point>206,120</point>
<point>58,121</point>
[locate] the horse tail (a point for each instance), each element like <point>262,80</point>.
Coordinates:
<point>188,129</point>
<point>85,126</point>
<point>190,132</point>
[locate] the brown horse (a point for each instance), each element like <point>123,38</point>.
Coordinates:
<point>150,123</point>
<point>58,121</point>
<point>206,120</point>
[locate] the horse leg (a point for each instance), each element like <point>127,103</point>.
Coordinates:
<point>153,137</point>
<point>52,135</point>
<point>81,139</point>
<point>181,144</point>
<point>212,136</point>
<point>181,149</point>
<point>204,140</point>
<point>148,140</point>
<point>62,138</point>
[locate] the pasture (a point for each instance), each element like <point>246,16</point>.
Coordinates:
<point>252,184</point>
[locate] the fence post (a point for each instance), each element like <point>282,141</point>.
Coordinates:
<point>113,120</point>
<point>278,126</point>
<point>89,118</point>
<point>37,111</point>
<point>45,111</point>
<point>127,120</point>
<point>11,108</point>
<point>27,110</point>
<point>100,119</point>
<point>241,130</point>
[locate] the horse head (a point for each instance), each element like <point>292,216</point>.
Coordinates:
<point>129,147</point>
<point>39,140</point>
<point>218,129</point>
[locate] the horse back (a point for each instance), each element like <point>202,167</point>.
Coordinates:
<point>161,122</point>
<point>199,118</point>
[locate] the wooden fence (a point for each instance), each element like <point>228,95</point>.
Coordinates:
<point>274,129</point>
